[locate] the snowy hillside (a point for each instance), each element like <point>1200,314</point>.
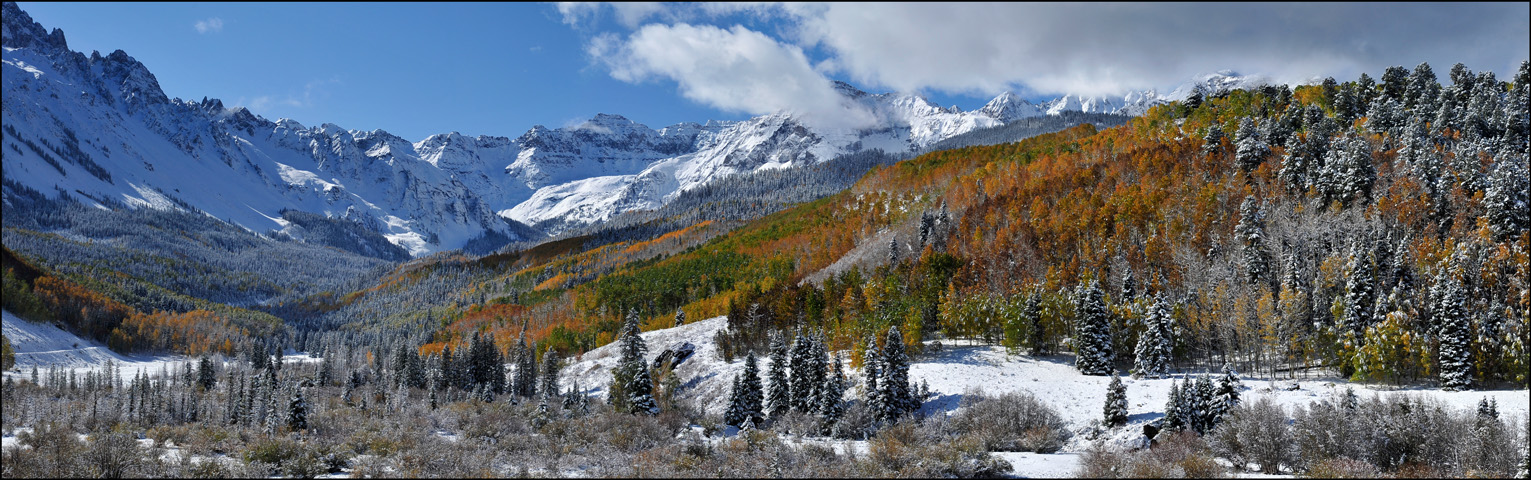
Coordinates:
<point>956,370</point>
<point>44,346</point>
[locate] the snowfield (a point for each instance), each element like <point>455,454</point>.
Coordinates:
<point>951,371</point>
<point>957,370</point>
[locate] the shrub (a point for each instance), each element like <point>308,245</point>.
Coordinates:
<point>1012,422</point>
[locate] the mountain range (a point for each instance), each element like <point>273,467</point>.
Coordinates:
<point>99,128</point>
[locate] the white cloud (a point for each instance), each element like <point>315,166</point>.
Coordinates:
<point>211,25</point>
<point>733,70</point>
<point>1108,48</point>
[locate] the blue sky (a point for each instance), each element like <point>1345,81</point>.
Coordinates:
<point>498,69</point>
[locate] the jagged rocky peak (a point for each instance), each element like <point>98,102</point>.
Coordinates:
<point>18,30</point>
<point>848,90</point>
<point>1008,107</point>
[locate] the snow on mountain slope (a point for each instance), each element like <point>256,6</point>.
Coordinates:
<point>101,128</point>
<point>957,370</point>
<point>44,346</point>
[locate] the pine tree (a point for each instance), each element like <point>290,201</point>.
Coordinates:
<point>1174,412</point>
<point>1031,314</point>
<point>640,392</point>
<point>1153,350</point>
<point>1227,395</point>
<point>1250,232</point>
<point>524,380</point>
<point>831,406</point>
<point>779,397</point>
<point>1201,404</point>
<point>1213,141</point>
<point>876,399</point>
<point>630,379</point>
<point>736,412</point>
<point>1094,354</point>
<point>1456,364</point>
<point>1251,150</point>
<point>549,373</point>
<point>297,411</point>
<point>448,370</point>
<point>680,317</point>
<point>206,377</point>
<point>894,383</point>
<point>1507,200</point>
<point>800,377</point>
<point>1422,90</point>
<point>818,373</point>
<point>1116,403</point>
<point>1359,291</point>
<point>752,401</point>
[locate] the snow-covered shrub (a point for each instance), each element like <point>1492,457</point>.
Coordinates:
<point>1012,422</point>
<point>1255,433</point>
<point>1177,455</point>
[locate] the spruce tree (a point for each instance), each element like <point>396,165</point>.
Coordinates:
<point>779,397</point>
<point>1154,345</point>
<point>1204,407</point>
<point>1094,354</point>
<point>1031,314</point>
<point>297,411</point>
<point>549,373</point>
<point>206,377</point>
<point>1174,411</point>
<point>1116,403</point>
<point>894,383</point>
<point>1507,200</point>
<point>631,382</point>
<point>1456,365</point>
<point>680,317</point>
<point>1213,141</point>
<point>752,401</point>
<point>800,377</point>
<point>876,399</point>
<point>736,412</point>
<point>1250,231</point>
<point>1251,150</point>
<point>831,406</point>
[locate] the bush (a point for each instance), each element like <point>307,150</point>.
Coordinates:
<point>1255,432</point>
<point>1012,422</point>
<point>1342,468</point>
<point>1178,455</point>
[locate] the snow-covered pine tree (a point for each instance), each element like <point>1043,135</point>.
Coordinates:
<point>800,378</point>
<point>297,411</point>
<point>1507,200</point>
<point>818,372</point>
<point>549,385</point>
<point>779,398</point>
<point>1213,141</point>
<point>1227,394</point>
<point>1116,403</point>
<point>1455,334</point>
<point>736,412</point>
<point>680,316</point>
<point>448,369</point>
<point>831,407</point>
<point>752,401</point>
<point>1360,294</point>
<point>1174,412</point>
<point>525,384</point>
<point>1094,354</point>
<point>1031,314</point>
<point>895,378</point>
<point>631,366</point>
<point>1205,405</point>
<point>1250,232</point>
<point>1423,88</point>
<point>1154,345</point>
<point>876,399</point>
<point>640,392</point>
<point>1251,150</point>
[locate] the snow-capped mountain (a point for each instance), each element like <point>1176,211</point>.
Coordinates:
<point>99,127</point>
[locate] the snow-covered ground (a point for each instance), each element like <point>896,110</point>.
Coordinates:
<point>951,373</point>
<point>957,370</point>
<point>45,346</point>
